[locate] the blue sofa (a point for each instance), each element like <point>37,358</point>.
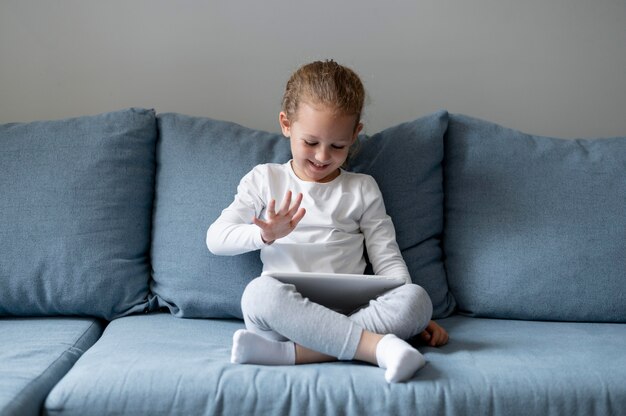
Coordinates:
<point>110,302</point>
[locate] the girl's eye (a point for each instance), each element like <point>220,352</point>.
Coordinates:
<point>334,146</point>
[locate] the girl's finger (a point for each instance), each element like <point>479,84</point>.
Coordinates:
<point>295,205</point>
<point>259,223</point>
<point>297,217</point>
<point>284,207</point>
<point>271,208</point>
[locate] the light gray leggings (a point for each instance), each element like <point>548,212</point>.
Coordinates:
<point>277,311</point>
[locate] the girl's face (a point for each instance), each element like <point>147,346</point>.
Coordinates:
<point>320,141</point>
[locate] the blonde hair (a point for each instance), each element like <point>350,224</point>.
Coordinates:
<point>326,83</point>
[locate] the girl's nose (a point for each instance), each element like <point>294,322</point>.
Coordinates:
<point>322,155</point>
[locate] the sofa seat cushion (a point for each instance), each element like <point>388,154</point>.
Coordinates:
<point>160,364</point>
<point>35,353</point>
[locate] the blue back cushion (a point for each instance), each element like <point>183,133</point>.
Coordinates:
<point>406,161</point>
<point>200,163</point>
<point>535,227</point>
<point>75,214</point>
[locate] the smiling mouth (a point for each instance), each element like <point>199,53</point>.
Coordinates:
<point>318,166</point>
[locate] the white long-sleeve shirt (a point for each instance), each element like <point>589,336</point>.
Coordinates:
<point>341,216</point>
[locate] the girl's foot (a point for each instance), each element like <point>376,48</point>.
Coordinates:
<point>251,348</point>
<point>399,358</point>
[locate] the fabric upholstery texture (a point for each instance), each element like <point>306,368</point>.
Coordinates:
<point>75,214</point>
<point>200,163</point>
<point>406,161</point>
<point>501,223</point>
<point>159,364</point>
<point>535,227</point>
<point>35,354</point>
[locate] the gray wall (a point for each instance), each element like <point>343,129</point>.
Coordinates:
<point>550,67</point>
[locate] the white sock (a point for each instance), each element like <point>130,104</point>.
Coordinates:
<point>399,358</point>
<point>251,348</point>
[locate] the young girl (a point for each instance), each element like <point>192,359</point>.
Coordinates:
<point>325,218</point>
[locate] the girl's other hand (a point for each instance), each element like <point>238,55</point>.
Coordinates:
<point>282,222</point>
<point>434,335</point>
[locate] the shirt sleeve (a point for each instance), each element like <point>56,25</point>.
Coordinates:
<point>233,232</point>
<point>380,234</point>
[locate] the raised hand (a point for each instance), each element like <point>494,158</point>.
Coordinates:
<point>281,223</point>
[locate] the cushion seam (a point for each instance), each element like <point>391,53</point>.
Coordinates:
<point>61,355</point>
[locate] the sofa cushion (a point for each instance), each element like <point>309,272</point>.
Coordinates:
<point>35,353</point>
<point>159,364</point>
<point>535,227</point>
<point>406,161</point>
<point>75,214</point>
<point>200,163</point>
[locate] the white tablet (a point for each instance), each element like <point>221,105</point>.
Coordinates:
<point>341,292</point>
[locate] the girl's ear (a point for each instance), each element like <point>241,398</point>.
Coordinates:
<point>285,124</point>
<point>357,130</point>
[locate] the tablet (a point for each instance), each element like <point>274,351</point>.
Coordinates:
<point>341,292</point>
